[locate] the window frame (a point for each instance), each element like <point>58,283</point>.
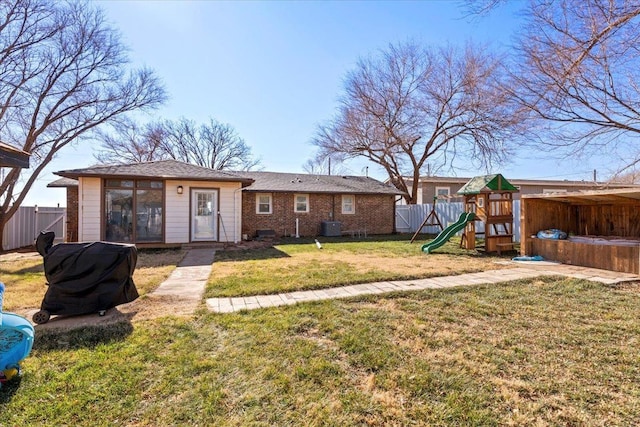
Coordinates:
<point>442,188</point>
<point>258,203</point>
<point>295,203</point>
<point>138,187</point>
<point>352,203</point>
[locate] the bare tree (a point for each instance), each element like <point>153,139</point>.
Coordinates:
<point>630,176</point>
<point>320,165</point>
<point>480,7</point>
<point>411,105</point>
<point>214,145</point>
<point>128,142</point>
<point>63,73</point>
<point>577,72</point>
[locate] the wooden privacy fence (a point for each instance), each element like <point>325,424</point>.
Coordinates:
<point>23,227</point>
<point>410,217</point>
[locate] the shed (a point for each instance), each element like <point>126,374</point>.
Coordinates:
<point>603,228</point>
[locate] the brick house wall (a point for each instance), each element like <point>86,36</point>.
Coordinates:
<point>374,213</point>
<point>72,214</point>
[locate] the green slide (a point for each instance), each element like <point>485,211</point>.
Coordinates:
<point>446,234</point>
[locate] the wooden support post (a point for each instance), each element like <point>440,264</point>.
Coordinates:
<point>432,216</point>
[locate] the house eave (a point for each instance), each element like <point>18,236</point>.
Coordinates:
<point>247,181</point>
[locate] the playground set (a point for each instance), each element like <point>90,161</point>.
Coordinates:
<point>488,199</point>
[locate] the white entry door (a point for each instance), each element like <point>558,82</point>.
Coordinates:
<point>204,215</point>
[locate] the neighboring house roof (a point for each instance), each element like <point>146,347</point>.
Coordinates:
<point>166,169</point>
<point>13,157</point>
<point>306,183</point>
<point>533,182</point>
<point>486,184</point>
<point>63,183</point>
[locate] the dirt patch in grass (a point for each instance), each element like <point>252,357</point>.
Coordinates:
<point>631,286</point>
<point>289,268</point>
<point>423,266</point>
<point>153,307</point>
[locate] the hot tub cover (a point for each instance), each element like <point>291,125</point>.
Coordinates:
<point>86,277</point>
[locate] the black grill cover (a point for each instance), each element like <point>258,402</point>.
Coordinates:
<point>86,277</point>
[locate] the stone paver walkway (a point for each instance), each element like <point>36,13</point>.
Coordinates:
<point>521,270</point>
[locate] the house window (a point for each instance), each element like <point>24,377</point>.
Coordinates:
<point>348,204</point>
<point>442,193</point>
<point>133,210</point>
<point>264,204</point>
<point>554,190</point>
<point>301,203</point>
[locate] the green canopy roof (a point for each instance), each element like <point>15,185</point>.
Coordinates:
<point>487,184</point>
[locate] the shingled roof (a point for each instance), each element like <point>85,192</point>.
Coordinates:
<point>63,183</point>
<point>276,182</point>
<point>167,169</point>
<point>305,183</point>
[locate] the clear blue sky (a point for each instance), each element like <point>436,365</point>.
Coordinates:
<point>274,69</point>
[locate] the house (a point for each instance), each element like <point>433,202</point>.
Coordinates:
<point>447,187</point>
<point>602,228</point>
<point>166,203</point>
<point>307,205</point>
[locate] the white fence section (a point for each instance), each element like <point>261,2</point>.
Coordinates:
<point>410,217</point>
<point>23,227</point>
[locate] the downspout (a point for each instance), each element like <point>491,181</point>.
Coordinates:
<point>333,207</point>
<point>394,216</point>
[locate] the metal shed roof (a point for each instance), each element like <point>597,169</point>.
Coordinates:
<point>591,197</point>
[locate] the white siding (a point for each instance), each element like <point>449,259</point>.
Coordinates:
<point>89,209</point>
<point>178,211</point>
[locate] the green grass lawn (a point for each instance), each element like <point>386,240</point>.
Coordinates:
<point>297,264</point>
<point>546,351</point>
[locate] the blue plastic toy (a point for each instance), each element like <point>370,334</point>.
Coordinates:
<point>16,340</point>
